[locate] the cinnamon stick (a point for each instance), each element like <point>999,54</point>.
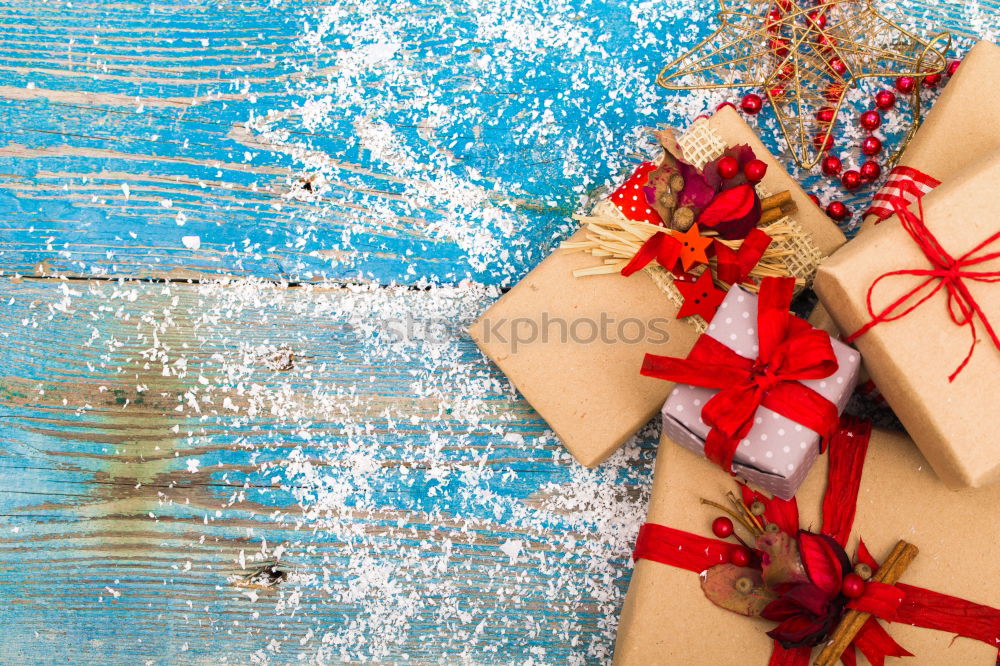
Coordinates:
<point>779,200</point>
<point>775,214</point>
<point>889,573</point>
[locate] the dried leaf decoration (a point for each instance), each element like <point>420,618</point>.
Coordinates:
<point>780,559</point>
<point>720,586</point>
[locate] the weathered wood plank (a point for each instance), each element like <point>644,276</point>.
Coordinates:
<point>155,435</point>
<point>437,145</point>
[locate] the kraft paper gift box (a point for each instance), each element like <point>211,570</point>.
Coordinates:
<point>961,127</point>
<point>667,620</point>
<point>777,453</point>
<point>956,423</point>
<point>587,387</point>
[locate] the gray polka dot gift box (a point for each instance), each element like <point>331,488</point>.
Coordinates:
<point>774,390</point>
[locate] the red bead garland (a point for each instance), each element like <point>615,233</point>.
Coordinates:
<point>870,171</point>
<point>851,180</point>
<point>870,120</point>
<point>823,142</point>
<point>837,210</point>
<point>885,99</point>
<point>752,104</point>
<point>906,84</point>
<point>832,165</point>
<point>932,80</point>
<point>871,145</point>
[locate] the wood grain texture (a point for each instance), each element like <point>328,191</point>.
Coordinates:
<point>389,470</point>
<point>442,145</point>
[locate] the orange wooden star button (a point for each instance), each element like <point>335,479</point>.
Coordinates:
<point>693,246</point>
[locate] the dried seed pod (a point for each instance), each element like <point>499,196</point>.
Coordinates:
<point>683,219</point>
<point>744,585</point>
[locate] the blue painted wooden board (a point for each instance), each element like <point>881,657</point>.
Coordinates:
<point>161,441</point>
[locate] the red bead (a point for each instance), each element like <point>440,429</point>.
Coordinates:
<point>754,170</point>
<point>831,165</point>
<point>953,67</point>
<point>776,93</point>
<point>870,170</point>
<point>853,586</point>
<point>932,81</point>
<point>740,557</point>
<point>871,145</point>
<point>779,47</point>
<point>818,19</point>
<point>837,66</point>
<point>825,115</point>
<point>751,104</point>
<point>851,180</point>
<point>885,99</point>
<point>823,142</point>
<point>906,84</point>
<point>827,41</point>
<point>722,527</point>
<point>837,210</point>
<point>728,167</point>
<point>870,120</point>
<point>814,199</point>
<point>833,92</point>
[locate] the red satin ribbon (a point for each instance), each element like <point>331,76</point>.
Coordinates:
<point>682,550</point>
<point>848,448</point>
<point>662,247</point>
<point>893,603</point>
<point>790,350</point>
<point>734,266</point>
<point>947,272</point>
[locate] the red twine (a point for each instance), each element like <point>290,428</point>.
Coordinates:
<point>948,273</point>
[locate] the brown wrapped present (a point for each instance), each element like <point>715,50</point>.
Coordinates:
<point>668,620</point>
<point>573,346</point>
<point>913,357</point>
<point>959,130</point>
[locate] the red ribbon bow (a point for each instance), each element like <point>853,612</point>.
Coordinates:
<point>790,350</point>
<point>948,273</point>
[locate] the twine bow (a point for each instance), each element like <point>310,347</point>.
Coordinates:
<point>947,272</point>
<point>790,350</point>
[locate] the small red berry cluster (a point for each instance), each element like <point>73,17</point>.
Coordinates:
<point>871,146</point>
<point>754,170</point>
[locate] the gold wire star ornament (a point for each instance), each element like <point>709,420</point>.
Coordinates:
<point>806,58</point>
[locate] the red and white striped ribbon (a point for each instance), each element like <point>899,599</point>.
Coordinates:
<point>894,191</point>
